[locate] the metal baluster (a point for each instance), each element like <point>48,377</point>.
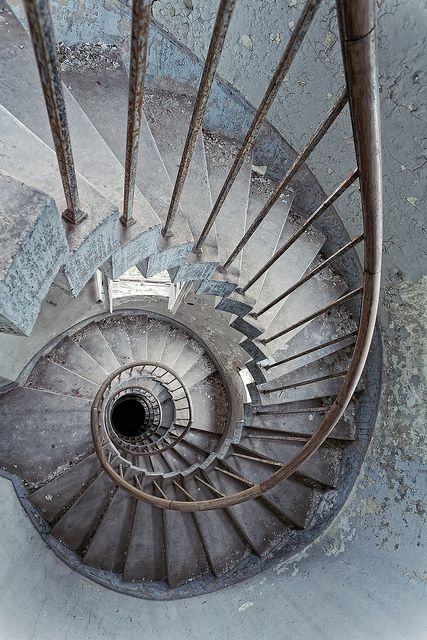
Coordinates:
<point>337,302</point>
<point>324,345</point>
<point>138,65</point>
<point>302,156</point>
<point>282,69</point>
<point>310,275</point>
<point>222,22</point>
<point>43,39</point>
<point>318,212</point>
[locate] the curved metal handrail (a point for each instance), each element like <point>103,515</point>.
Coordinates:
<point>357,22</point>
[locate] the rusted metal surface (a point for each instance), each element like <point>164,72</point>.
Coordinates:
<point>222,22</point>
<point>307,224</point>
<point>43,39</point>
<point>301,157</point>
<point>282,69</point>
<point>138,64</point>
<point>306,278</point>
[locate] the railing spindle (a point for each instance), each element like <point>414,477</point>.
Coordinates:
<point>318,212</point>
<point>310,275</point>
<point>301,157</point>
<point>282,69</point>
<point>314,315</point>
<point>137,68</point>
<point>43,39</point>
<point>318,347</point>
<point>222,22</point>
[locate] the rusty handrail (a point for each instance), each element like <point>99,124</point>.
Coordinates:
<point>44,45</point>
<point>358,36</point>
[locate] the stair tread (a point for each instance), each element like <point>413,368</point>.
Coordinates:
<point>107,549</point>
<point>19,146</point>
<point>222,542</point>
<point>93,158</point>
<point>145,558</point>
<point>316,333</point>
<point>77,526</point>
<point>136,329</point>
<point>219,157</point>
<point>261,527</point>
<point>56,417</point>
<point>103,95</point>
<point>93,342</point>
<point>185,555</point>
<point>324,288</point>
<point>157,332</point>
<point>170,134</point>
<point>305,424</point>
<point>56,496</point>
<point>50,376</point>
<point>115,334</point>
<point>73,357</point>
<point>295,499</point>
<point>323,466</point>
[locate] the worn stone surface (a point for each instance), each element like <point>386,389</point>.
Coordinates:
<point>28,263</point>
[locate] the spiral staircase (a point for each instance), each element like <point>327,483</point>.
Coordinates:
<point>146,463</point>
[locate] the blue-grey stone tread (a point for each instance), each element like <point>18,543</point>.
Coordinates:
<point>231,221</point>
<point>185,555</point>
<point>145,557</point>
<point>222,542</point>
<point>78,525</point>
<point>316,333</point>
<point>265,240</point>
<point>136,329</point>
<point>199,371</point>
<point>115,335</point>
<point>93,342</point>
<point>31,416</point>
<point>323,466</point>
<point>107,549</point>
<point>53,498</point>
<point>169,116</point>
<point>296,500</point>
<point>50,376</point>
<point>73,357</point>
<point>259,525</point>
<point>157,332</point>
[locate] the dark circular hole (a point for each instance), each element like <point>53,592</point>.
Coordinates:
<point>128,417</point>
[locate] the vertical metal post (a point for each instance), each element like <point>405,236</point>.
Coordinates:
<point>138,65</point>
<point>43,39</point>
<point>295,41</point>
<point>222,22</point>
